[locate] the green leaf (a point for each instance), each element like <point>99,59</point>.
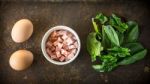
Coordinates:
<point>121,37</point>
<point>119,51</point>
<point>118,24</point>
<point>119,40</point>
<point>95,26</point>
<point>105,41</point>
<point>108,64</point>
<point>136,57</point>
<point>133,32</point>
<point>93,46</point>
<point>112,35</point>
<point>101,18</point>
<point>98,68</point>
<point>134,47</point>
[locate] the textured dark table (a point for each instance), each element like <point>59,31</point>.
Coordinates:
<point>77,15</point>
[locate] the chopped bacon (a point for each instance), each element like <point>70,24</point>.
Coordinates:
<point>61,45</point>
<point>64,37</point>
<point>69,35</point>
<point>58,54</point>
<point>70,56</point>
<point>55,43</point>
<point>49,44</point>
<point>53,39</point>
<point>68,41</point>
<point>66,47</point>
<point>54,34</point>
<point>62,58</point>
<point>59,40</point>
<point>64,52</point>
<point>72,46</point>
<point>76,44</point>
<point>62,32</point>
<point>52,48</point>
<point>74,38</point>
<point>73,51</point>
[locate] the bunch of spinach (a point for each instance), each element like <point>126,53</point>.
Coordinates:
<point>114,43</point>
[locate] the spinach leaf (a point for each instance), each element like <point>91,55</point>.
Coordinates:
<point>112,35</point>
<point>101,18</point>
<point>93,46</point>
<point>119,51</point>
<point>108,64</point>
<point>121,37</point>
<point>134,47</point>
<point>105,41</point>
<point>95,26</point>
<point>99,68</point>
<point>119,40</point>
<point>136,57</point>
<point>133,32</point>
<point>117,23</point>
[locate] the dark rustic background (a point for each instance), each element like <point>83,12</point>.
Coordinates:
<point>77,15</point>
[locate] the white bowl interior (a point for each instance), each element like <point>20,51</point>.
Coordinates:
<point>46,37</point>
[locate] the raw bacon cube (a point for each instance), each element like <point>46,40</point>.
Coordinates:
<point>70,56</point>
<point>64,52</point>
<point>61,45</point>
<point>62,58</point>
<point>64,37</point>
<point>68,41</point>
<point>58,54</point>
<point>49,44</point>
<point>71,47</point>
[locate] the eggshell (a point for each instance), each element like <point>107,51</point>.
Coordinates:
<point>22,30</point>
<point>21,60</point>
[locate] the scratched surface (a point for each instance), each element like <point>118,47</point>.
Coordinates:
<point>76,15</point>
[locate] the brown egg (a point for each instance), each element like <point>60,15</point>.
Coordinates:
<point>22,30</point>
<point>21,60</point>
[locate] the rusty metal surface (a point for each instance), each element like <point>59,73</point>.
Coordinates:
<point>76,15</point>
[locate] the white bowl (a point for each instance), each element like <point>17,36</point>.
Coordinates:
<point>45,37</point>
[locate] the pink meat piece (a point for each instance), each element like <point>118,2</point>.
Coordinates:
<point>53,39</point>
<point>48,44</point>
<point>74,38</point>
<point>68,41</point>
<point>73,51</point>
<point>64,37</point>
<point>59,45</point>
<point>62,58</point>
<point>53,34</point>
<point>58,54</point>
<point>72,46</point>
<point>62,45</point>
<point>48,52</point>
<point>71,55</point>
<point>66,47</point>
<point>64,52</point>
<point>52,48</point>
<point>59,40</point>
<point>69,34</point>
<point>76,44</point>
<point>51,54</point>
<point>55,43</point>
<point>54,57</point>
<point>62,32</point>
<point>57,49</point>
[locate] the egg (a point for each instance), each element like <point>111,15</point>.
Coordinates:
<point>21,60</point>
<point>22,30</point>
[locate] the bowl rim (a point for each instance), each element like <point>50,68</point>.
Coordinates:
<point>45,37</point>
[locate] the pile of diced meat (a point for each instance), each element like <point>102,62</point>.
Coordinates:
<point>61,45</point>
